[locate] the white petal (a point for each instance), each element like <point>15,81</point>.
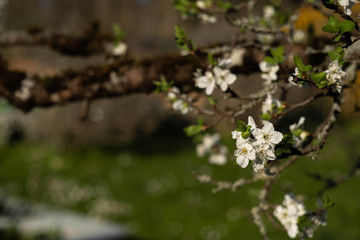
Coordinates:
<point>270,155</point>
<point>251,122</point>
<point>257,133</point>
<point>268,127</point>
<point>217,71</point>
<point>202,82</point>
<point>210,88</point>
<point>230,78</point>
<point>223,86</point>
<point>264,66</point>
<point>276,137</point>
<point>242,161</point>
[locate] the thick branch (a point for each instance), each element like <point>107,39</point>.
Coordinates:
<point>119,78</point>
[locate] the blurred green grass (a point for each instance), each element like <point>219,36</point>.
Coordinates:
<point>151,187</point>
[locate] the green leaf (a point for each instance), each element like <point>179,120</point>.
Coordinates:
<point>212,101</point>
<point>332,26</point>
<point>299,63</point>
<point>337,54</point>
<point>308,68</point>
<point>211,59</point>
<point>241,125</point>
<point>287,138</point>
<point>318,77</point>
<point>266,116</point>
<point>278,54</point>
<point>224,5</point>
<point>182,41</point>
<point>269,60</point>
<point>338,37</point>
<point>347,26</point>
<point>163,85</point>
<point>119,34</point>
<point>245,134</point>
<point>193,130</point>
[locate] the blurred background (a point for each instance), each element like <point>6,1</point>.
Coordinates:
<point>128,170</point>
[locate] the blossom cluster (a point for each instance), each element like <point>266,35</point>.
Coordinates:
<point>202,15</point>
<point>292,77</point>
<point>270,106</point>
<point>299,135</point>
<point>335,74</point>
<point>288,214</point>
<point>210,144</point>
<point>24,92</point>
<point>269,71</point>
<point>255,144</point>
<point>218,76</point>
<point>179,103</point>
<point>117,49</point>
<point>347,4</point>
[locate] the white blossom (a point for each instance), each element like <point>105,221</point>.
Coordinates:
<point>269,12</point>
<point>206,81</point>
<point>269,104</point>
<point>237,56</point>
<point>299,36</point>
<point>182,106</point>
<point>265,152</point>
<point>291,78</point>
<point>288,214</point>
<point>265,38</point>
<point>219,157</point>
<point>334,74</point>
<point>347,4</point>
<point>224,78</point>
<point>211,145</point>
<point>244,153</point>
<point>207,18</point>
<point>269,71</point>
<point>24,92</point>
<point>201,4</point>
<point>179,102</point>
<point>225,63</point>
<point>119,49</point>
<point>173,93</point>
<point>267,135</point>
<point>259,148</point>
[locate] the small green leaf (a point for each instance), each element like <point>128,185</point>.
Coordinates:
<point>308,68</point>
<point>337,54</point>
<point>337,37</point>
<point>278,54</point>
<point>119,34</point>
<point>193,130</point>
<point>200,121</point>
<point>241,125</point>
<point>269,60</point>
<point>212,101</point>
<point>288,139</point>
<point>224,5</point>
<point>182,41</point>
<point>347,26</point>
<point>245,134</point>
<point>266,116</point>
<point>163,85</point>
<point>302,219</point>
<point>211,59</point>
<point>332,26</point>
<point>299,63</point>
<point>320,79</point>
<point>317,77</point>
